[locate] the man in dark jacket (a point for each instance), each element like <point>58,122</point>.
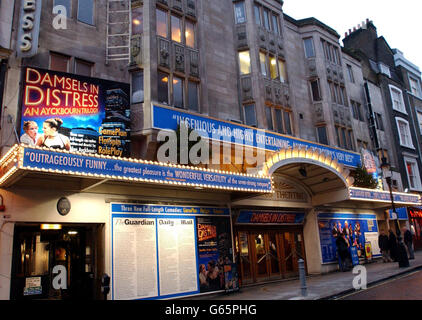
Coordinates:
<point>408,241</point>
<point>343,252</point>
<point>383,244</point>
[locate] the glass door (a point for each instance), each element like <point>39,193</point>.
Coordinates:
<point>244,258</point>
<point>260,258</point>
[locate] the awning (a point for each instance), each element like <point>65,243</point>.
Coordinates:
<point>81,172</point>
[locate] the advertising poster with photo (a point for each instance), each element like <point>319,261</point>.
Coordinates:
<point>75,113</point>
<point>214,252</point>
<point>357,228</point>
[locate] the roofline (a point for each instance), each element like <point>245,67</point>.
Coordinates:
<point>311,21</point>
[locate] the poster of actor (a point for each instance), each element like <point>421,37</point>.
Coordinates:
<point>214,252</point>
<point>75,113</point>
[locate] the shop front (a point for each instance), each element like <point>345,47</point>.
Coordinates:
<point>158,231</point>
<point>415,219</point>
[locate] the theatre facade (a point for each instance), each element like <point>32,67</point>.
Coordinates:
<point>161,230</point>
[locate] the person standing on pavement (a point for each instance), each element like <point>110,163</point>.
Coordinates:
<point>384,246</point>
<point>343,251</point>
<point>408,241</point>
<point>392,244</point>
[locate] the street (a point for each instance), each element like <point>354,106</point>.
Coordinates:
<point>407,287</point>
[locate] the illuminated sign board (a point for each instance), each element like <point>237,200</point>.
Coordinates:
<point>140,171</point>
<point>166,118</point>
<point>380,196</point>
<point>270,217</point>
<point>91,114</point>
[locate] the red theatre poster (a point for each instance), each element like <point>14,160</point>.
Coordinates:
<point>77,113</point>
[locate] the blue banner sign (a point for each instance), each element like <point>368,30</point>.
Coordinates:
<point>384,196</point>
<point>270,217</point>
<point>401,213</point>
<point>50,161</point>
<point>166,118</point>
<point>354,226</point>
<point>171,210</point>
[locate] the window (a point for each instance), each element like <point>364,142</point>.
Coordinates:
<point>178,92</point>
<point>244,62</point>
<point>66,4</point>
<point>163,88</point>
<point>162,28</point>
<point>176,29</point>
<point>419,115</point>
<point>279,120</point>
<point>263,64</point>
<point>414,86</point>
<point>352,140</point>
<point>250,115</point>
<point>239,12</point>
<point>384,69</point>
<point>331,52</point>
<point>59,62</point>
<point>275,24</point>
<point>316,93</point>
<point>357,111</point>
<point>397,99</point>
<point>86,11</point>
<point>378,121</point>
<point>404,133</point>
<point>273,68</point>
<point>350,73</point>
<point>190,34</point>
<point>257,15</point>
<point>193,96</point>
<point>282,70</point>
<point>322,135</point>
<point>268,113</point>
<point>137,21</point>
<point>413,176</point>
<point>309,48</point>
<point>266,19</point>
<point>83,68</point>
<point>138,87</point>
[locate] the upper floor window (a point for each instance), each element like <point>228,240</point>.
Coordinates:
<point>250,115</point>
<point>266,15</point>
<point>162,24</point>
<point>331,52</point>
<point>137,21</point>
<point>350,73</point>
<point>397,99</point>
<point>404,133</point>
<point>86,11</point>
<point>279,120</point>
<point>419,115</point>
<point>193,92</point>
<point>282,70</point>
<point>163,87</point>
<point>412,171</point>
<point>309,48</point>
<point>414,86</point>
<point>190,34</point>
<point>257,14</point>
<point>357,111</point>
<point>316,92</point>
<point>176,29</point>
<point>378,121</point>
<point>66,3</point>
<point>263,63</point>
<point>275,24</point>
<point>322,135</point>
<point>244,62</point>
<point>59,62</point>
<point>83,68</point>
<point>239,12</point>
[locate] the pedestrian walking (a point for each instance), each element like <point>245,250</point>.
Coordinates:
<point>408,241</point>
<point>392,244</point>
<point>384,246</point>
<point>343,252</point>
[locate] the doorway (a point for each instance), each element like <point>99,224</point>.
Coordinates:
<point>56,262</point>
<point>266,255</point>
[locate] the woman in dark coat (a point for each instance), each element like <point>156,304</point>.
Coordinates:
<point>343,251</point>
<point>392,243</point>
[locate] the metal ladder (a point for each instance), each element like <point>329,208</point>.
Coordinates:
<point>119,30</point>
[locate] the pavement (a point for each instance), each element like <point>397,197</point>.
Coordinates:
<point>319,287</point>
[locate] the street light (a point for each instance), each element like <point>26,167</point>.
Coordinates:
<point>401,250</point>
